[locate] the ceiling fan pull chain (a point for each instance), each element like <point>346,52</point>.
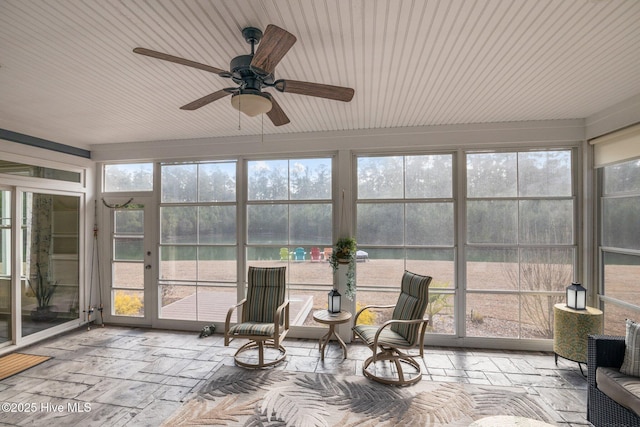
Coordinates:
<point>239,116</point>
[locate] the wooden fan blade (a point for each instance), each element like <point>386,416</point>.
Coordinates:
<point>208,99</point>
<point>338,93</point>
<point>275,43</point>
<point>276,114</point>
<point>177,60</point>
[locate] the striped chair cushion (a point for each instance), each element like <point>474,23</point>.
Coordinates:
<point>631,363</point>
<point>266,292</point>
<point>253,328</point>
<point>387,336</point>
<point>411,305</point>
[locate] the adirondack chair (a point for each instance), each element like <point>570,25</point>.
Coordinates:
<point>300,254</point>
<point>315,254</point>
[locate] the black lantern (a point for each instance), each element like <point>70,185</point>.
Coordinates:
<point>334,301</point>
<point>576,296</point>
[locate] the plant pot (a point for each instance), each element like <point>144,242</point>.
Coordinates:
<point>344,260</point>
<point>43,314</point>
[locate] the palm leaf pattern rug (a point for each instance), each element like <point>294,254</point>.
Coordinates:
<point>240,397</point>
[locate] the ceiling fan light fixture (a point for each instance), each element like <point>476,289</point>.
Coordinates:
<point>251,104</point>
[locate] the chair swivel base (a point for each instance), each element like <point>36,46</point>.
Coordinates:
<point>398,359</point>
<point>260,346</point>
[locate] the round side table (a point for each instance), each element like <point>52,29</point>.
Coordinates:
<point>331,319</point>
<point>570,330</point>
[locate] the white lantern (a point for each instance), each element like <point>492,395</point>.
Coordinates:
<point>576,296</point>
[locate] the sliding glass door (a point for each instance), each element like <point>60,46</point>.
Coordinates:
<point>6,259</point>
<point>49,277</point>
<point>39,262</point>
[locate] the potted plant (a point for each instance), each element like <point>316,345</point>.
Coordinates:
<point>43,291</point>
<point>344,252</point>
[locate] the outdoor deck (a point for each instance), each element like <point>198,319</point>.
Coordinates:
<point>213,307</point>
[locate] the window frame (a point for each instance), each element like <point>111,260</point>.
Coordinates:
<point>517,246</point>
<point>288,201</point>
<point>197,283</point>
<point>393,287</point>
<point>611,304</point>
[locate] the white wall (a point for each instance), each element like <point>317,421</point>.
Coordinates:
<point>618,116</point>
<point>401,139</point>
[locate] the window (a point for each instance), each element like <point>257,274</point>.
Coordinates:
<point>198,240</point>
<point>520,246</point>
<point>405,220</point>
<point>21,169</point>
<point>620,244</point>
<point>495,229</point>
<point>128,177</point>
<point>289,222</point>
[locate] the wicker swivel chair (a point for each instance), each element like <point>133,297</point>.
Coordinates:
<point>405,330</point>
<point>265,318</point>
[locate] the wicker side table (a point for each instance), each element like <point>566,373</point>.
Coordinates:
<point>571,329</point>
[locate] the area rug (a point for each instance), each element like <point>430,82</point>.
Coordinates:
<point>239,397</point>
<point>17,362</point>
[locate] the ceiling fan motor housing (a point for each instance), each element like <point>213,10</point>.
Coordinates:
<point>243,74</point>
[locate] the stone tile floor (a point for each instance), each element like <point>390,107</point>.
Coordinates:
<point>117,376</point>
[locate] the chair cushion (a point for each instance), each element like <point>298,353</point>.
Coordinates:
<point>412,304</point>
<point>265,293</point>
<point>631,363</point>
<point>253,328</point>
<point>624,389</point>
<point>387,337</point>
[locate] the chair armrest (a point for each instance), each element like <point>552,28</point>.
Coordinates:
<point>227,322</point>
<point>392,321</point>
<point>230,312</point>
<point>355,319</point>
<point>283,307</point>
<point>604,351</point>
<point>277,321</point>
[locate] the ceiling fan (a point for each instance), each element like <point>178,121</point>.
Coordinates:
<point>254,72</point>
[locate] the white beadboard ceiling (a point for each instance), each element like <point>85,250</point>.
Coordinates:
<point>68,73</point>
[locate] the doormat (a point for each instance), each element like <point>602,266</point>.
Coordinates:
<point>240,397</point>
<point>17,362</point>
